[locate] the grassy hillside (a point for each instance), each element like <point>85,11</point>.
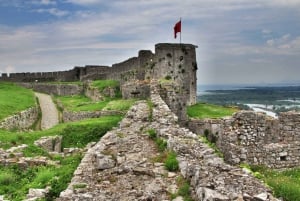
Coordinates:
<point>204,110</point>
<point>15,182</point>
<point>14,99</point>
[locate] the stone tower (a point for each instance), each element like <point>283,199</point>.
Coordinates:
<point>175,66</point>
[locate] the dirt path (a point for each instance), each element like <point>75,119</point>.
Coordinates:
<point>49,111</point>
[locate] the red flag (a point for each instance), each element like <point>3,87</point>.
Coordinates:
<point>177,28</point>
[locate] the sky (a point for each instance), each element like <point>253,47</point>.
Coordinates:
<point>239,41</point>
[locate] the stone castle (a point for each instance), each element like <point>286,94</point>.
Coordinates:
<point>174,65</point>
<point>248,137</point>
<point>168,78</point>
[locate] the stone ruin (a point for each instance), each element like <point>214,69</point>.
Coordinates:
<point>255,138</point>
<point>111,170</point>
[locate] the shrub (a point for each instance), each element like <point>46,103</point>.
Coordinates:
<point>171,162</point>
<point>152,134</point>
<point>161,144</point>
<point>6,179</point>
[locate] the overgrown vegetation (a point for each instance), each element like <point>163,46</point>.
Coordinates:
<point>285,184</point>
<point>14,99</point>
<point>161,143</point>
<point>183,189</point>
<point>171,163</point>
<point>167,157</point>
<point>150,105</point>
<point>204,110</point>
<point>15,181</point>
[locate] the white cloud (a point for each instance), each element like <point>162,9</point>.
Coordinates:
<point>85,2</point>
<point>221,29</point>
<point>44,2</point>
<point>270,42</point>
<point>53,11</point>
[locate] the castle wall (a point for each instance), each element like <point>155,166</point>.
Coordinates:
<point>55,89</point>
<point>255,138</point>
<point>172,62</point>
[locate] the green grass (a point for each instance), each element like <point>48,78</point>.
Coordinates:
<point>14,99</point>
<point>102,84</point>
<point>15,182</point>
<point>120,104</point>
<point>183,189</point>
<point>171,163</point>
<point>75,134</point>
<point>204,110</point>
<point>81,103</point>
<point>285,184</point>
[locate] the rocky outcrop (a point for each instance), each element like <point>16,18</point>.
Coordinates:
<point>121,167</point>
<point>50,143</point>
<point>22,120</point>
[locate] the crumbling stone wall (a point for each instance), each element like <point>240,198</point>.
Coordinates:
<point>22,120</point>
<point>256,138</point>
<point>120,166</point>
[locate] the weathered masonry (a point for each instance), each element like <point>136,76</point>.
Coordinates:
<point>174,65</point>
<point>255,138</point>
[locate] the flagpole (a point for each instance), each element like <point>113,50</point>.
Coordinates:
<point>180,30</point>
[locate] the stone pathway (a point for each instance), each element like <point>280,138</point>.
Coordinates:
<point>49,111</point>
<point>121,166</point>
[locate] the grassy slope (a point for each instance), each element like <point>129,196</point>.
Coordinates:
<point>14,99</point>
<point>285,184</point>
<point>203,110</point>
<point>81,103</point>
<point>15,182</point>
<point>102,84</point>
